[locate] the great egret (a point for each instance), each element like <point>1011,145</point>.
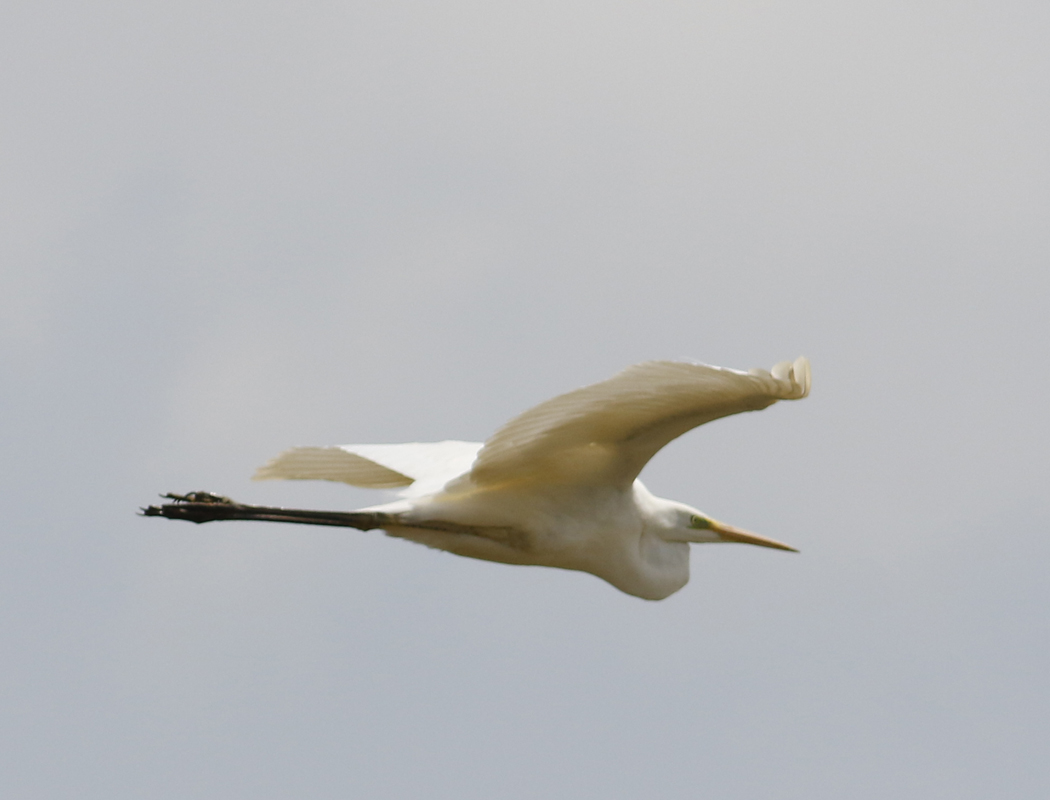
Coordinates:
<point>556,486</point>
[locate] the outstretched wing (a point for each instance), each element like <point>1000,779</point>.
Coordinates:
<point>425,467</point>
<point>605,433</point>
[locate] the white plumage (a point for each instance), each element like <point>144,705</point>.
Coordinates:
<point>557,485</point>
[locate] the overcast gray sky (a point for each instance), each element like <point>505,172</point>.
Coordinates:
<point>229,228</point>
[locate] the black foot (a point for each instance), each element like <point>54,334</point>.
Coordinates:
<point>199,497</point>
<point>194,506</point>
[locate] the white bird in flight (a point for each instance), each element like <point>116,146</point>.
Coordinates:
<point>557,486</point>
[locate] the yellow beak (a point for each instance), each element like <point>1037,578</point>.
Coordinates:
<point>727,533</point>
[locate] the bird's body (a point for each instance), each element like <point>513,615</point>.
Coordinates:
<point>557,486</point>
<point>605,531</point>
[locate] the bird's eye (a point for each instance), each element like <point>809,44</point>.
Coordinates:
<point>699,522</point>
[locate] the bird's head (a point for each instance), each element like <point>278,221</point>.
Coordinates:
<point>689,525</point>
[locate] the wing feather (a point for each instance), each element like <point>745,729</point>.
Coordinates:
<point>605,433</point>
<point>425,466</point>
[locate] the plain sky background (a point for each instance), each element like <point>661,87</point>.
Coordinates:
<point>233,227</point>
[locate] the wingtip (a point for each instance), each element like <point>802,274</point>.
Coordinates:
<point>270,471</point>
<point>802,375</point>
<point>797,374</point>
